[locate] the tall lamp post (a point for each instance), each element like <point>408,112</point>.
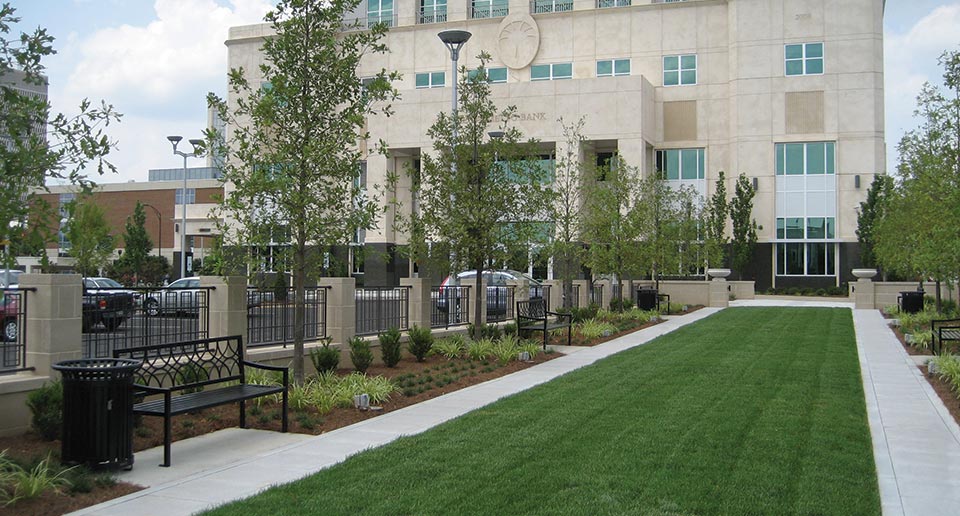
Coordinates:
<point>454,40</point>
<point>159,226</point>
<point>197,151</point>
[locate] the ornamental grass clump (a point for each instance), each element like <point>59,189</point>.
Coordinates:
<point>390,346</point>
<point>450,347</point>
<point>480,349</point>
<point>594,328</point>
<point>18,483</point>
<point>948,369</point>
<point>505,350</point>
<point>421,340</point>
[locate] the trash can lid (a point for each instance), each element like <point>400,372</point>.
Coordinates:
<point>97,364</point>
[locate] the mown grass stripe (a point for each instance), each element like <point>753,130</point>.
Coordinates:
<point>750,411</point>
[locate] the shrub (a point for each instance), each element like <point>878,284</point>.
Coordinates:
<point>532,348</point>
<point>593,329</point>
<point>480,349</point>
<point>325,358</point>
<point>280,288</point>
<point>46,405</point>
<point>620,304</point>
<point>22,483</point>
<point>192,372</point>
<point>948,369</point>
<point>421,340</point>
<point>485,331</point>
<point>360,354</point>
<point>506,349</point>
<point>510,329</point>
<point>922,339</point>
<point>390,346</point>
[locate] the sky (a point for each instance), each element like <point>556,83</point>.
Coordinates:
<point>155,61</point>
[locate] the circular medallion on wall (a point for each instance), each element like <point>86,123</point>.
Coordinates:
<point>518,40</point>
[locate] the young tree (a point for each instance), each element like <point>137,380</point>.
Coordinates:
<point>744,225</point>
<point>871,211</point>
<point>136,241</point>
<point>292,163</point>
<point>609,227</point>
<point>715,239</point>
<point>566,211</point>
<point>482,198</point>
<point>655,215</point>
<point>36,145</point>
<point>687,231</point>
<point>91,244</point>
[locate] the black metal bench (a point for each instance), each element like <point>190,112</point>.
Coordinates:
<point>944,330</point>
<point>182,372</point>
<point>533,315</point>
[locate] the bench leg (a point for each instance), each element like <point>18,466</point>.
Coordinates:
<point>166,441</point>
<point>283,417</point>
<point>570,334</point>
<point>243,414</point>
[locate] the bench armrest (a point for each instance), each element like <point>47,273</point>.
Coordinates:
<point>152,390</point>
<point>561,316</point>
<point>285,370</point>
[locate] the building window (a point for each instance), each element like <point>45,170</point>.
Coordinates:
<point>603,4</point>
<point>489,8</point>
<point>551,72</point>
<point>803,59</point>
<point>379,11</point>
<point>494,75</point>
<point>432,11</point>
<point>678,164</point>
<point>613,67</point>
<point>814,158</point>
<point>550,6</point>
<point>430,80</point>
<point>806,209</point>
<point>191,196</point>
<point>62,241</point>
<point>680,70</point>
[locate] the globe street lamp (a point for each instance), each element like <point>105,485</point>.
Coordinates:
<point>197,151</point>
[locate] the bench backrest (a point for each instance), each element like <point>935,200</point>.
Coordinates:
<point>189,365</point>
<point>534,309</point>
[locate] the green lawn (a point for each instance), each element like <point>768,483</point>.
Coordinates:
<point>751,411</point>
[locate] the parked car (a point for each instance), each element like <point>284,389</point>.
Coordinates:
<point>106,302</point>
<point>185,296</point>
<point>497,297</point>
<point>9,309</point>
<point>10,278</point>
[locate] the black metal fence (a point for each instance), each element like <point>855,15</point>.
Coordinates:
<point>596,295</point>
<point>119,319</point>
<point>449,306</point>
<point>382,308</point>
<point>270,317</point>
<point>500,303</point>
<point>13,341</point>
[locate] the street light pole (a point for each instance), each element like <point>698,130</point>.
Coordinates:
<point>454,40</point>
<point>159,227</point>
<point>197,151</point>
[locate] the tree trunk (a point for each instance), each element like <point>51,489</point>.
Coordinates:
<point>939,304</point>
<point>478,297</point>
<point>299,310</point>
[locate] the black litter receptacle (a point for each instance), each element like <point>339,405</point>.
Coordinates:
<point>647,298</point>
<point>911,301</point>
<point>98,412</point>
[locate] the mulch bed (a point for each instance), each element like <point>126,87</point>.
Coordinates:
<point>149,432</point>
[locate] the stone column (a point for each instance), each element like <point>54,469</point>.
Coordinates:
<point>420,302</point>
<point>341,308</point>
<point>521,292</point>
<point>483,302</point>
<point>53,320</point>
<point>607,293</point>
<point>228,305</point>
<point>556,294</point>
<point>583,299</point>
<point>864,290</point>
<point>719,293</point>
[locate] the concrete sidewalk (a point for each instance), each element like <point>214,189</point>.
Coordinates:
<point>193,484</point>
<point>916,442</point>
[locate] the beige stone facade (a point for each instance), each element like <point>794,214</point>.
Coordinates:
<point>738,99</point>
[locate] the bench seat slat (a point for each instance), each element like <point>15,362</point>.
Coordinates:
<point>205,399</point>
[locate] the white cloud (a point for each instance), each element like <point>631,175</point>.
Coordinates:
<point>157,75</point>
<point>910,60</point>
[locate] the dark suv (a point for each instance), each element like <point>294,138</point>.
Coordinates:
<point>106,301</point>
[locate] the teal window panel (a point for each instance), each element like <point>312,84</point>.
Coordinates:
<point>701,164</point>
<point>781,231</point>
<point>688,62</point>
<point>816,227</point>
<point>794,228</point>
<point>688,164</point>
<point>540,73</point>
<point>793,51</point>
<point>497,75</point>
<point>621,67</point>
<point>671,78</point>
<point>779,151</point>
<point>673,164</point>
<point>813,50</point>
<point>563,71</point>
<point>814,66</point>
<point>815,158</point>
<point>830,158</point>
<point>831,224</point>
<point>793,159</point>
<point>794,67</point>
<point>604,68</point>
<point>436,79</point>
<point>423,80</point>
<point>688,77</point>
<point>671,63</point>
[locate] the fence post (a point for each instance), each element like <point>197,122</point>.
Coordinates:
<point>228,306</point>
<point>583,293</point>
<point>483,301</point>
<point>555,293</point>
<point>341,308</point>
<point>53,320</point>
<point>420,302</point>
<point>606,294</point>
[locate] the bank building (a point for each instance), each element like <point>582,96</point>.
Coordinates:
<point>787,92</point>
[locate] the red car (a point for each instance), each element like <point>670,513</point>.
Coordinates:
<point>9,312</point>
